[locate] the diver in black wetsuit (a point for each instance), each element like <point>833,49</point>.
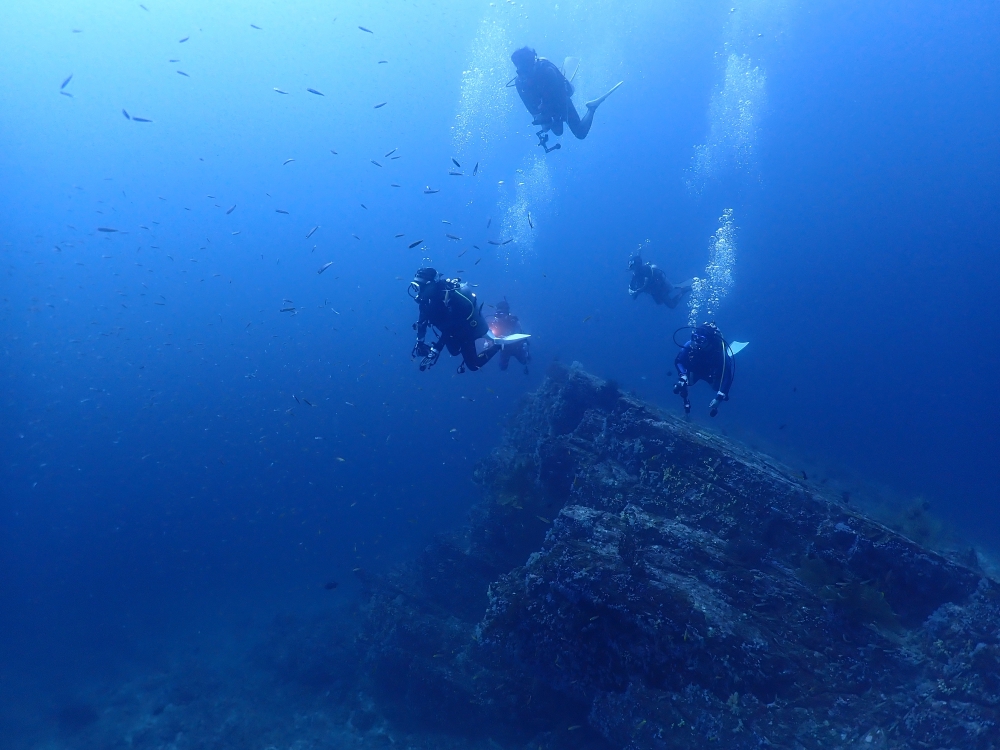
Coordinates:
<point>646,277</point>
<point>707,356</point>
<point>450,307</point>
<point>546,93</point>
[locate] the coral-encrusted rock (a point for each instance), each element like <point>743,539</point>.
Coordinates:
<point>688,590</point>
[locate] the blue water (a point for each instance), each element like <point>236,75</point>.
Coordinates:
<point>162,479</point>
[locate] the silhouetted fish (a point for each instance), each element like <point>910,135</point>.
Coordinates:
<point>253,26</point>
<point>452,237</point>
<point>183,40</point>
<point>280,211</point>
<point>281,92</point>
<point>314,91</point>
<point>475,169</point>
<point>182,73</point>
<point>378,106</point>
<point>140,119</point>
<point>106,229</point>
<point>312,231</point>
<point>324,267</point>
<point>367,30</point>
<point>414,244</point>
<point>66,82</point>
<point>127,116</point>
<point>455,162</point>
<point>391,153</point>
<point>430,191</point>
<point>231,209</point>
<point>375,163</point>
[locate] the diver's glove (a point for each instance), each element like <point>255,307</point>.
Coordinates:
<point>420,349</point>
<point>713,407</point>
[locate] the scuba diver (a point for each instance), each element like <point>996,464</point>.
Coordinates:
<point>646,277</point>
<point>502,323</point>
<point>448,306</point>
<point>709,357</point>
<point>546,93</point>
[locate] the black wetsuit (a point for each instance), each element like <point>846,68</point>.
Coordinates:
<point>646,277</point>
<point>546,94</point>
<point>452,309</point>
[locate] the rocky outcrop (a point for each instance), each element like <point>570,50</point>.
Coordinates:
<point>631,580</point>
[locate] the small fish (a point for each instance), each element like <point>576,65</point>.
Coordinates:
<point>66,82</point>
<point>391,153</point>
<point>312,231</point>
<point>330,585</point>
<point>140,119</point>
<point>445,221</point>
<point>382,62</point>
<point>507,241</point>
<point>462,253</point>
<point>144,7</point>
<point>400,235</point>
<point>324,267</point>
<point>182,73</point>
<point>66,93</point>
<point>364,206</point>
<point>393,158</point>
<point>342,461</point>
<point>333,152</point>
<point>452,237</point>
<point>488,222</point>
<point>543,520</point>
<point>143,226</point>
<point>477,261</point>
<point>177,59</point>
<point>804,475</point>
<point>369,31</point>
<point>254,26</point>
<point>281,92</point>
<point>375,162</point>
<point>393,184</point>
<point>307,401</point>
<point>475,169</point>
<point>476,246</point>
<point>430,191</point>
<point>314,91</point>
<point>287,309</point>
<point>587,318</point>
<point>455,162</point>
<point>231,209</point>
<point>287,161</point>
<point>127,117</point>
<point>280,211</point>
<point>106,229</point>
<point>493,243</point>
<point>414,244</point>
<point>529,220</point>
<point>456,174</point>
<point>183,40</point>
<point>379,106</point>
<point>356,237</point>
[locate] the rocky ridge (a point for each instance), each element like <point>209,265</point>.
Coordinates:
<point>631,580</point>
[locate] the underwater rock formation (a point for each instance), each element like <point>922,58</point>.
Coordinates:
<point>632,580</point>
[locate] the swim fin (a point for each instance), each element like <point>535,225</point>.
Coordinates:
<point>571,66</point>
<point>595,103</point>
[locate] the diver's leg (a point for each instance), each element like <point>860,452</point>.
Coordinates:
<point>579,127</point>
<point>557,127</point>
<point>473,360</point>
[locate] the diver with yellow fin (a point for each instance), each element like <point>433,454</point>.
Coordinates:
<point>451,308</point>
<point>546,92</point>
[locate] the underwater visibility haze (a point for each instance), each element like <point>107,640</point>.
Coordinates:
<point>212,213</point>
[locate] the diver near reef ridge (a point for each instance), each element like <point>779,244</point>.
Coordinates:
<point>502,324</point>
<point>448,306</point>
<point>547,93</point>
<point>709,357</point>
<point>646,277</point>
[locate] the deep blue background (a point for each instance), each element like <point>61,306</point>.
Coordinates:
<point>157,477</point>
